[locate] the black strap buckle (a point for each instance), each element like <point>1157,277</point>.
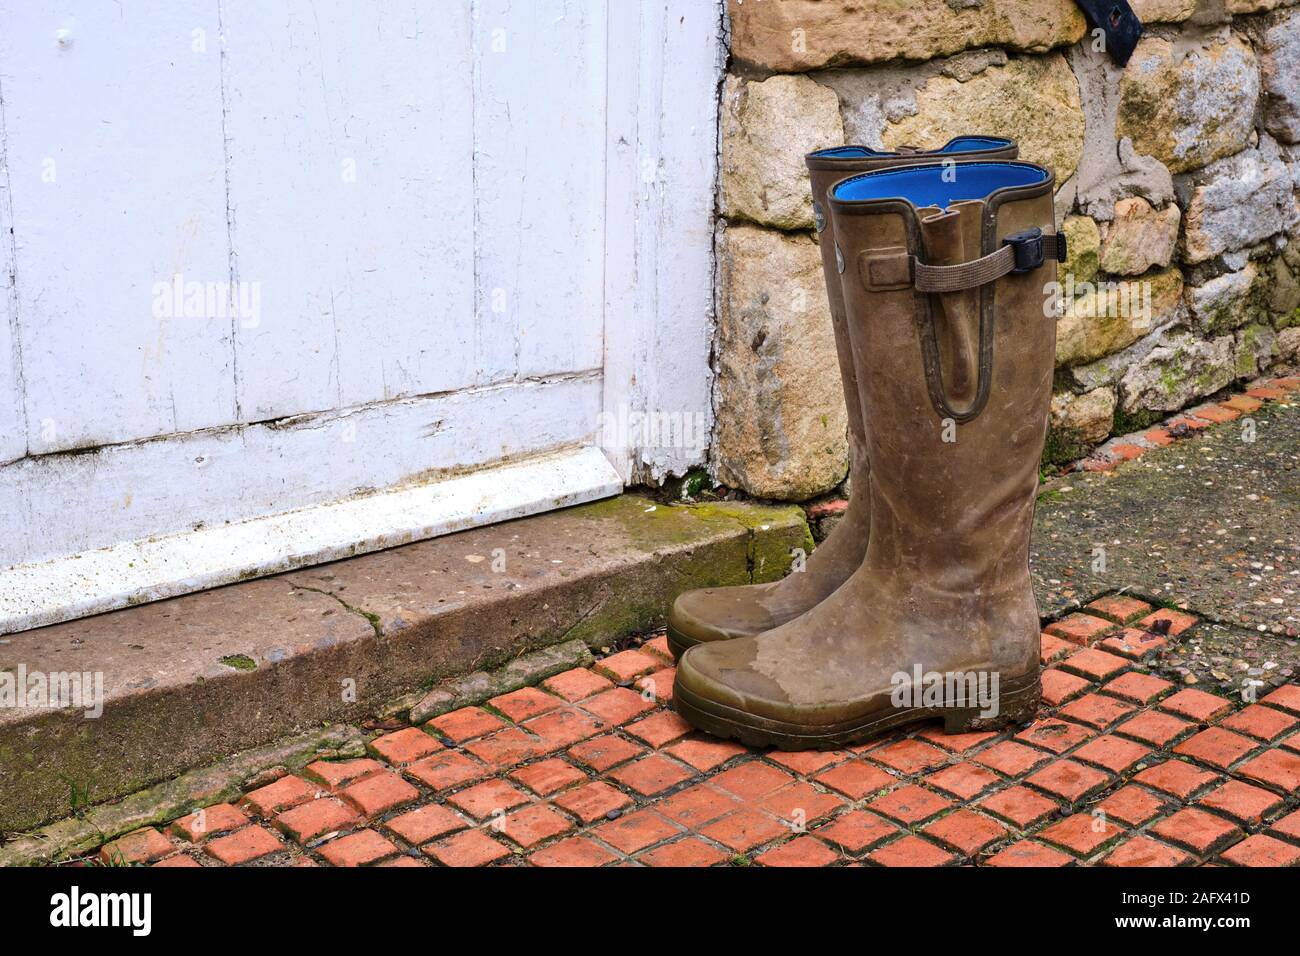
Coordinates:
<point>1031,247</point>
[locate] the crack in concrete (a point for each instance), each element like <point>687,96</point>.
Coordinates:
<point>371,617</point>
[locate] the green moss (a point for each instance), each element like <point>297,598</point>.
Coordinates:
<point>1126,422</point>
<point>240,662</point>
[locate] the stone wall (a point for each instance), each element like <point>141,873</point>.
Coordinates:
<point>1177,177</point>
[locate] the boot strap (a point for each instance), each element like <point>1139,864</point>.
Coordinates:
<point>1022,252</point>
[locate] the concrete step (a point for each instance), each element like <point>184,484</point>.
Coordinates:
<point>195,678</point>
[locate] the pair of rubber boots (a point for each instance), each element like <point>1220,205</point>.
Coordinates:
<point>939,268</point>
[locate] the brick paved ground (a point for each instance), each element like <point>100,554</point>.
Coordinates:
<point>1122,767</point>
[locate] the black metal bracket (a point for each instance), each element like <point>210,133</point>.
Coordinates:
<point>1116,19</point>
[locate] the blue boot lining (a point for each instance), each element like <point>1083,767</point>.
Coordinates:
<point>926,186</point>
<point>961,144</point>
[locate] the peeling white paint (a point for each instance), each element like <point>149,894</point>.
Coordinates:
<point>33,595</point>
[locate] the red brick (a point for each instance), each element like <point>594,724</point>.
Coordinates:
<point>1134,644</point>
<point>1068,779</point>
<point>1053,648</point>
<point>505,748</point>
<point>1272,394</point>
<point>625,666</point>
<point>651,775</point>
<point>446,770</point>
<point>593,801</point>
<point>139,846</point>
<point>334,775</point>
<point>636,831</point>
<point>1020,805</point>
<point>288,791</point>
<point>1274,768</point>
<point>526,702</point>
<point>1131,805</point>
<point>1096,710</point>
<point>201,824</point>
<point>1098,464</point>
<point>1127,451</point>
<point>244,846</point>
<point>744,829</point>
<point>753,780</point>
<point>1287,697</point>
<point>1196,705</point>
<point>1119,608</point>
<point>575,851</point>
<point>966,831</point>
<point>1082,834</point>
<point>801,851</point>
<point>1010,758</point>
<point>696,805</point>
<point>909,851</point>
<point>1058,686</point>
<point>1196,830</point>
<point>806,762</point>
<point>910,805</point>
<point>964,780</point>
<point>405,745</point>
<point>618,706</point>
<point>179,860</point>
<point>1259,721</point>
<point>1179,621</point>
<point>1079,628</point>
<point>690,851</point>
<point>379,794</point>
<point>1176,777</point>
<point>658,646</point>
<point>1242,802</point>
<point>659,729</point>
<point>1158,436</point>
<point>956,743</point>
<point>1288,826</point>
<point>1243,403</point>
<point>1155,727</point>
<point>425,823</point>
<point>1216,747</point>
<point>800,804</point>
<point>705,753</point>
<point>1028,854</point>
<point>466,724</point>
<point>1195,424</point>
<point>659,685</point>
<point>1113,753</point>
<point>534,824</point>
<point>1144,851</point>
<point>403,862</point>
<point>1215,413</point>
<point>856,779</point>
<point>1094,664</point>
<point>1261,850</point>
<point>1054,735</point>
<point>601,753</point>
<point>1136,686</point>
<point>488,798</point>
<point>857,830</point>
<point>547,776</point>
<point>908,756</point>
<point>309,820</point>
<point>577,684</point>
<point>471,848</point>
<point>563,727</point>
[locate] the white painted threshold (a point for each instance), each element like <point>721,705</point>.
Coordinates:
<point>136,572</point>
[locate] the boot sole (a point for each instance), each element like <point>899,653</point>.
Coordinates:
<point>1017,704</point>
<point>678,643</point>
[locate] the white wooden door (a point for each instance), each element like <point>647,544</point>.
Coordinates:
<point>290,281</point>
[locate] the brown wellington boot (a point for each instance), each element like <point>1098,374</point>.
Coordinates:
<point>715,614</point>
<point>955,367</point>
